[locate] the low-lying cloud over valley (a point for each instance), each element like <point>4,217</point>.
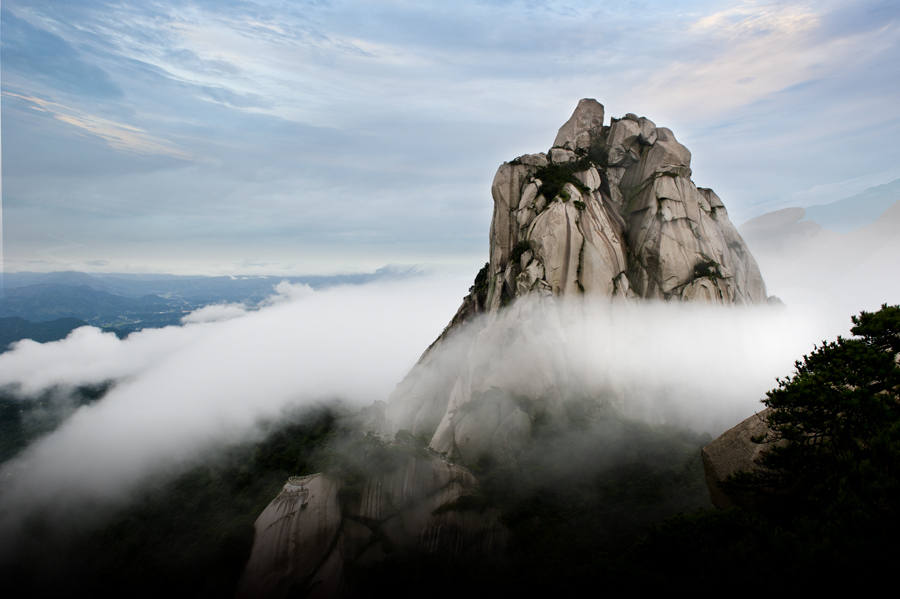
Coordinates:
<point>181,390</point>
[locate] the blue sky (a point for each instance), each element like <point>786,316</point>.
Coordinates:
<point>276,137</point>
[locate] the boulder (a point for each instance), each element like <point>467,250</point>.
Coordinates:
<point>731,452</point>
<point>562,156</point>
<point>317,527</point>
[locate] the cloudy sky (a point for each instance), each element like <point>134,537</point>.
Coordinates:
<point>291,137</point>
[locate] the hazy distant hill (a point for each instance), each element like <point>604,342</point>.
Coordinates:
<point>857,211</point>
<point>798,257</point>
<point>44,302</point>
<point>193,289</point>
<point>14,328</point>
<point>124,303</point>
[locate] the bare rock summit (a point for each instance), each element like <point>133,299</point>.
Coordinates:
<point>612,210</point>
<point>609,213</point>
<point>584,128</point>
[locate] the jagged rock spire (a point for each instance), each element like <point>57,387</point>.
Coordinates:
<point>583,128</point>
<point>609,212</point>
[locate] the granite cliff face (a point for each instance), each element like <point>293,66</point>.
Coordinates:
<point>611,210</point>
<point>609,213</point>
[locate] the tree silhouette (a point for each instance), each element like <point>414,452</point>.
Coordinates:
<point>835,424</point>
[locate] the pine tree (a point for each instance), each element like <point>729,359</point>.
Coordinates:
<point>835,424</point>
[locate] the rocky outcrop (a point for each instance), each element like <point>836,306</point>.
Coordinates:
<point>580,131</point>
<point>732,452</point>
<point>319,526</point>
<point>609,211</point>
<point>304,516</point>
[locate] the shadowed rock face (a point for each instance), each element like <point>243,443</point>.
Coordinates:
<point>310,534</point>
<point>731,452</point>
<point>608,212</point>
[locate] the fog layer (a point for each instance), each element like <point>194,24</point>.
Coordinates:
<point>183,389</point>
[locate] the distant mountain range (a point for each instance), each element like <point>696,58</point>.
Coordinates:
<point>14,328</point>
<point>803,258</point>
<point>856,211</point>
<point>47,306</point>
<point>196,289</point>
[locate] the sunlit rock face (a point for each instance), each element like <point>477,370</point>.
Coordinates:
<point>609,211</point>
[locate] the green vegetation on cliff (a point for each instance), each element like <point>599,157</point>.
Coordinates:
<point>830,479</point>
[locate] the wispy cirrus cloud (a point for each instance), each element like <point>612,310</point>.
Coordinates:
<point>118,135</point>
<point>376,105</point>
<point>736,57</point>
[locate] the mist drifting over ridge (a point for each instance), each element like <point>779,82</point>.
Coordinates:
<point>181,390</point>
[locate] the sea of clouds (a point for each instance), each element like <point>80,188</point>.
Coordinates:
<point>181,390</point>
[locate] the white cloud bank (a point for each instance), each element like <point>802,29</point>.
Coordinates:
<point>184,389</point>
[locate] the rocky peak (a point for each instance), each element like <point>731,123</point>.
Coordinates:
<point>583,128</point>
<point>609,212</point>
